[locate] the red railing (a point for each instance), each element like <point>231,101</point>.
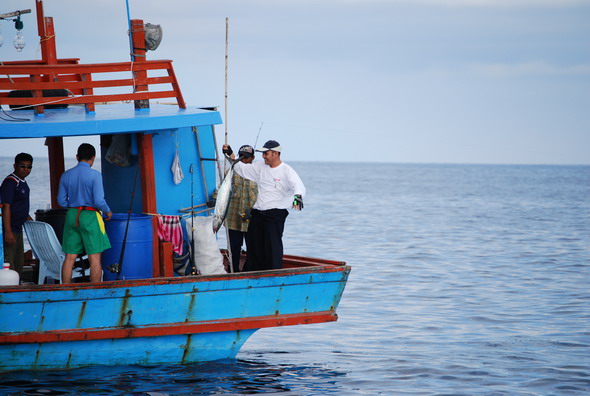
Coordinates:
<point>65,61</point>
<point>80,81</point>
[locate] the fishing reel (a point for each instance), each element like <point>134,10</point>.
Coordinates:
<point>245,215</point>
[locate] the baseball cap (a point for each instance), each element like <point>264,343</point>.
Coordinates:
<point>246,151</point>
<point>270,145</point>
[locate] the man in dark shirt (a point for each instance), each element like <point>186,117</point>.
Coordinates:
<point>14,193</point>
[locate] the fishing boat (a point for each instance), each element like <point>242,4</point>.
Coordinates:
<point>151,315</point>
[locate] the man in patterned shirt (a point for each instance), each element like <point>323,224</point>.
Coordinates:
<point>238,216</point>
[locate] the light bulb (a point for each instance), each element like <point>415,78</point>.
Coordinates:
<point>19,41</point>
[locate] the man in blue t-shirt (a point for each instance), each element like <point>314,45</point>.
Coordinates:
<point>81,190</point>
<point>14,194</point>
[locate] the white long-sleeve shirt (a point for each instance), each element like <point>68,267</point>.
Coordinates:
<point>276,186</point>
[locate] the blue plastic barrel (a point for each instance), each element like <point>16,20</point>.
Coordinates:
<point>138,259</point>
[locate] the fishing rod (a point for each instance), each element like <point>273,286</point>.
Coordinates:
<point>259,129</point>
<point>226,81</point>
<point>118,267</point>
<point>193,264</point>
<point>226,129</point>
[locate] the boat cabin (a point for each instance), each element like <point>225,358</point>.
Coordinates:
<point>140,139</point>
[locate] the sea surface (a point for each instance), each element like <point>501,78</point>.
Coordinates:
<point>466,280</point>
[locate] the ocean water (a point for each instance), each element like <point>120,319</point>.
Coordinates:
<point>466,280</point>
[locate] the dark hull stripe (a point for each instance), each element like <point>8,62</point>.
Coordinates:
<point>168,329</point>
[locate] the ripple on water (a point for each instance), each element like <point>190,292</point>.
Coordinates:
<point>466,280</point>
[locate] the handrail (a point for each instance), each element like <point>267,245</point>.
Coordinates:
<point>79,82</point>
<point>41,62</point>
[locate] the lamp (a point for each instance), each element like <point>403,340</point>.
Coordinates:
<point>153,36</point>
<point>19,40</point>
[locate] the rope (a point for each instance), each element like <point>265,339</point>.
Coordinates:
<point>45,38</point>
<point>50,102</point>
<point>10,78</point>
<point>191,214</point>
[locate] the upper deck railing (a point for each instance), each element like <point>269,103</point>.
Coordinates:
<point>77,83</point>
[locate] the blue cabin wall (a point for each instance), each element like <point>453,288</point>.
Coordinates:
<point>170,197</point>
<point>118,184</point>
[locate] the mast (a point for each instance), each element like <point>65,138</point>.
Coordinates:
<point>55,145</point>
<point>46,35</point>
<point>226,66</point>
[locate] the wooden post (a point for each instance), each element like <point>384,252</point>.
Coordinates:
<point>55,150</point>
<point>166,259</point>
<point>88,91</point>
<point>148,192</point>
<point>148,181</point>
<point>139,51</point>
<point>40,23</point>
<point>176,86</point>
<point>55,145</point>
<point>48,47</point>
<point>37,94</point>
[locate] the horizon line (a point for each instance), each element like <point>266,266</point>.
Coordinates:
<point>400,162</point>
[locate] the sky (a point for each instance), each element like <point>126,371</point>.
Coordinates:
<point>420,81</point>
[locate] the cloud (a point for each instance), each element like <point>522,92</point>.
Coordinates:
<point>533,68</point>
<point>451,3</point>
<point>476,3</point>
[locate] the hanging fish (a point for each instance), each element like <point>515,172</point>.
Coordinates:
<point>224,194</point>
<point>176,169</point>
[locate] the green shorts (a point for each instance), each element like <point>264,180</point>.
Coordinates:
<point>88,237</point>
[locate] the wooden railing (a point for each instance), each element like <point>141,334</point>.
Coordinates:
<point>80,81</point>
<point>65,61</point>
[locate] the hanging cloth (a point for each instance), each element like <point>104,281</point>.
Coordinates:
<point>176,169</point>
<point>170,230</point>
<point>119,151</point>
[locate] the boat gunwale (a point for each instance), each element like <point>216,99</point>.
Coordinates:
<point>308,265</point>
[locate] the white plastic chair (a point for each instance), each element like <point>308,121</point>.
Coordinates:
<point>47,249</point>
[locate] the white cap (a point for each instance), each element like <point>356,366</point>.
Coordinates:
<point>270,145</point>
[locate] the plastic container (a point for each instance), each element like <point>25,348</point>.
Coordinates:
<point>8,277</point>
<point>138,259</point>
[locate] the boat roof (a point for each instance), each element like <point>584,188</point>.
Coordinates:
<point>106,120</point>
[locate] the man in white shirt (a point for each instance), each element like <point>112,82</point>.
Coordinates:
<point>279,187</point>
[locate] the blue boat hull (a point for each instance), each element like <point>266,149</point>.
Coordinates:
<point>177,349</point>
<point>162,320</point>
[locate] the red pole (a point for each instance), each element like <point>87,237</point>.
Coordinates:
<point>40,19</point>
<point>55,148</point>
<point>46,35</point>
<point>48,47</point>
<point>139,51</point>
